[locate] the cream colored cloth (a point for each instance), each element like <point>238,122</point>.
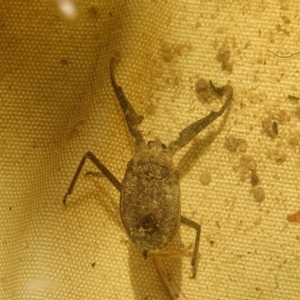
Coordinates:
<point>57,103</point>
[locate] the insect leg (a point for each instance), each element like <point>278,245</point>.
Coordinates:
<point>187,134</point>
<point>197,227</point>
<point>132,118</point>
<point>170,283</point>
<point>100,166</point>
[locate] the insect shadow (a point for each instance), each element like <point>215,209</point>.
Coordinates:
<point>149,193</point>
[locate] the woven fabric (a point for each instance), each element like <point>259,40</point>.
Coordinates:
<point>239,178</point>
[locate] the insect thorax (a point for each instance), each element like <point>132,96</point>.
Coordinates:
<point>150,204</point>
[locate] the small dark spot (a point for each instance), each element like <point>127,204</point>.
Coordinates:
<point>254,178</point>
<point>203,92</point>
<point>93,12</point>
<point>110,13</point>
<point>150,144</point>
<point>224,57</point>
<point>212,242</point>
<point>258,193</point>
<point>201,85</point>
<point>93,264</point>
<point>275,127</point>
<point>149,224</point>
<point>286,19</point>
<point>291,97</point>
<point>64,62</point>
<point>145,253</point>
<point>10,208</point>
<point>94,174</point>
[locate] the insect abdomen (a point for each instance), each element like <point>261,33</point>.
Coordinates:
<point>150,204</point>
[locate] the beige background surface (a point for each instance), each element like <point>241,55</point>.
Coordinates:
<point>57,103</point>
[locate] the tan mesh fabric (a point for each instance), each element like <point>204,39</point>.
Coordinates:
<point>57,103</point>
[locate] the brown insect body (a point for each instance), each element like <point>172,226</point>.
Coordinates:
<point>150,203</point>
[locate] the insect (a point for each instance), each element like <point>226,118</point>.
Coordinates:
<point>149,202</point>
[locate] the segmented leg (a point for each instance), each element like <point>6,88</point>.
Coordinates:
<point>187,134</point>
<point>197,227</point>
<point>132,118</point>
<point>170,283</point>
<point>100,166</point>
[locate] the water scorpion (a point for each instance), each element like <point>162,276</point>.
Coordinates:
<point>150,198</point>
